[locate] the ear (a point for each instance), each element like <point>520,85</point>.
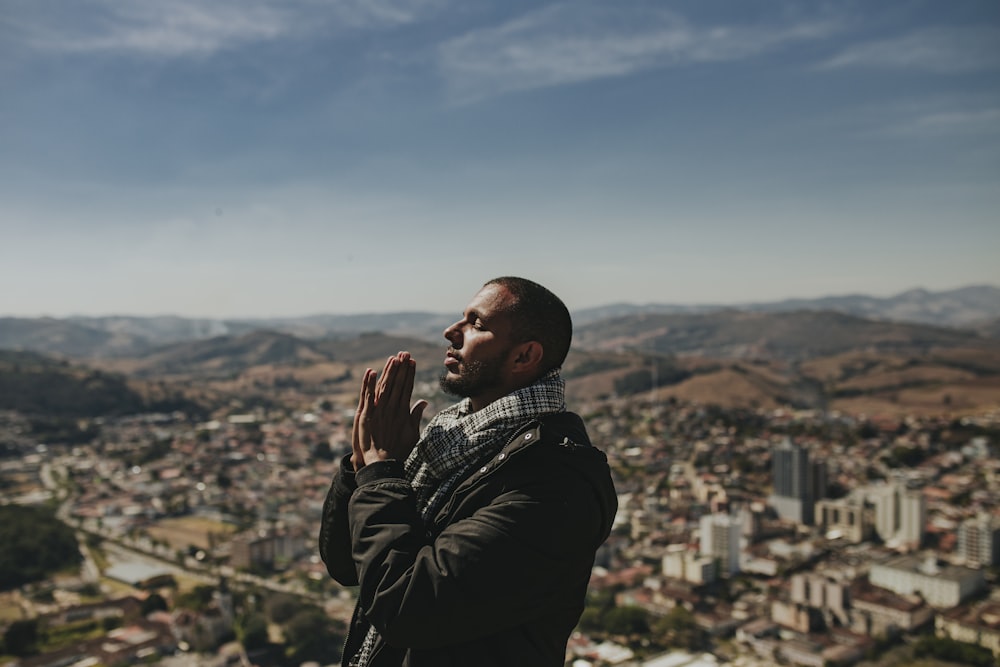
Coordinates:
<point>526,359</point>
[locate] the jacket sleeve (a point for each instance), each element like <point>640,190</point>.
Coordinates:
<point>334,533</point>
<point>524,553</point>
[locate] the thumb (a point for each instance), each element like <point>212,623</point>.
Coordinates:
<point>416,412</point>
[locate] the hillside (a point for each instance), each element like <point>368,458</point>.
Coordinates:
<point>33,384</point>
<point>746,335</point>
<point>803,359</point>
<point>57,337</point>
<point>57,400</point>
<point>223,356</point>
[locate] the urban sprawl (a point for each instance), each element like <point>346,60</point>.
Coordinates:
<point>744,537</point>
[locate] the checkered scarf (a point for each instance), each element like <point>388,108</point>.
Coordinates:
<point>457,439</point>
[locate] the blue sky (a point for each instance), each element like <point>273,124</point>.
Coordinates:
<point>283,157</point>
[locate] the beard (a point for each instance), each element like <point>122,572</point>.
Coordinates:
<point>476,377</point>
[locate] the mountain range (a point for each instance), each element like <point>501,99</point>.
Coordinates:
<point>975,308</point>
<point>759,356</point>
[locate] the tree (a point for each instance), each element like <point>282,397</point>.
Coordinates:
<point>323,451</point>
<point>678,629</point>
<point>253,632</point>
<point>281,608</point>
<point>21,637</point>
<point>155,602</point>
<point>311,635</point>
<point>33,544</point>
<point>945,648</point>
<point>196,599</point>
<point>628,620</point>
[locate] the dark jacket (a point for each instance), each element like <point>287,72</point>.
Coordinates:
<point>500,575</point>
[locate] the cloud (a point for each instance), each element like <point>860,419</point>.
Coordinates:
<point>183,28</point>
<point>944,50</point>
<point>982,121</point>
<point>574,42</point>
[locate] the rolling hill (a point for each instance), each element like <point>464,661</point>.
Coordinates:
<point>740,335</point>
<point>129,336</point>
<point>733,358</point>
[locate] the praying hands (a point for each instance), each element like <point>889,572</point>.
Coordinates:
<point>385,426</point>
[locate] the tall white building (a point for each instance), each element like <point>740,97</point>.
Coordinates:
<point>720,540</point>
<point>885,499</point>
<point>979,541</point>
<point>913,519</point>
<point>900,514</point>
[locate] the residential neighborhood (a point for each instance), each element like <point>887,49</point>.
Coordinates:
<point>743,537</point>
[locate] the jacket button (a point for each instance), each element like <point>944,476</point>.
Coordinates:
<point>483,469</point>
<point>501,457</point>
<point>527,436</point>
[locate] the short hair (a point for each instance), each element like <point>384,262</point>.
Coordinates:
<point>538,314</point>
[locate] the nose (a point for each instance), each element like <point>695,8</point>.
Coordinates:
<point>453,333</point>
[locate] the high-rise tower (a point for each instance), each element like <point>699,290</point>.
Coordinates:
<point>720,539</point>
<point>979,541</point>
<point>798,483</point>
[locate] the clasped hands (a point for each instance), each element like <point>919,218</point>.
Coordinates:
<point>385,426</point>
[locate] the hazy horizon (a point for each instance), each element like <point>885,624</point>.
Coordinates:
<point>454,310</point>
<point>274,158</point>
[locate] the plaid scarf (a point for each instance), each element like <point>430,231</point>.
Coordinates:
<point>458,439</point>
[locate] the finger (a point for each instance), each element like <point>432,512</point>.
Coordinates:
<point>361,393</point>
<point>405,386</point>
<point>380,388</point>
<point>397,398</point>
<point>371,388</point>
<point>357,455</point>
<point>361,397</point>
<point>367,411</point>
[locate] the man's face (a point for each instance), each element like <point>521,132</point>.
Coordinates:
<point>476,364</point>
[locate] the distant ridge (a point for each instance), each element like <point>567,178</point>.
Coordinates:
<point>976,307</point>
<point>962,307</point>
<point>792,336</point>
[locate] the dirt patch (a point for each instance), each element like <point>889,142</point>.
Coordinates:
<point>199,532</point>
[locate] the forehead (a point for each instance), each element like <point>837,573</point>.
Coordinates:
<point>491,300</point>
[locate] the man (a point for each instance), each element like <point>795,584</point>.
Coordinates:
<point>472,546</point>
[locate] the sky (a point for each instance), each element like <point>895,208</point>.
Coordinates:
<point>240,158</point>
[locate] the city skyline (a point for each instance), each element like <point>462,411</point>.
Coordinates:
<point>257,159</point>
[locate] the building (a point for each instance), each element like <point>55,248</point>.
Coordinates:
<point>720,541</point>
<point>900,514</point>
<point>979,541</point>
<point>978,624</point>
<point>798,483</point>
<point>252,550</point>
<point>912,520</point>
<point>816,591</point>
<point>751,519</point>
<point>877,612</point>
<point>140,575</point>
<point>942,587</point>
<point>845,517</point>
<point>796,617</point>
<point>885,499</point>
<point>681,563</point>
